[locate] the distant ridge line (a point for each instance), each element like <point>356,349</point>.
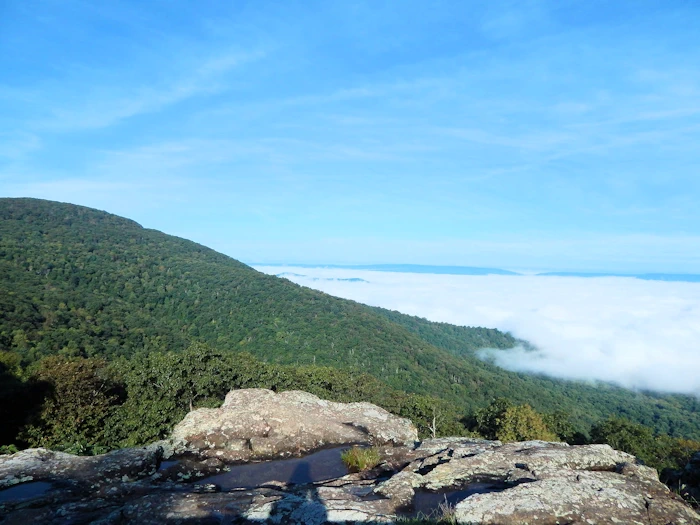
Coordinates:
<point>475,270</point>
<point>405,268</point>
<point>669,277</point>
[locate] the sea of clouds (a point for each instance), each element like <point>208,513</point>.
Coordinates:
<point>635,333</point>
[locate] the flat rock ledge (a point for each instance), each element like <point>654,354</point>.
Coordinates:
<point>531,482</point>
<point>261,424</point>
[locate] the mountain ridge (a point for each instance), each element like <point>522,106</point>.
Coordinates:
<point>78,281</point>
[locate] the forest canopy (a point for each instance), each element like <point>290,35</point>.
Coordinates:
<point>95,301</point>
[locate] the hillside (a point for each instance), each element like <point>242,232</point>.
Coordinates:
<point>81,282</point>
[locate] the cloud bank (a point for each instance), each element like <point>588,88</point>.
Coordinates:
<point>638,334</point>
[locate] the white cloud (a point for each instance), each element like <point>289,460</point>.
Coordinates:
<point>639,334</point>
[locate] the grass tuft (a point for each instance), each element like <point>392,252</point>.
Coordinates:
<point>358,459</point>
<point>443,515</point>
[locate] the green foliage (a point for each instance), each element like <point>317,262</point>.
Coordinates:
<point>10,363</point>
<point>8,449</point>
<point>89,406</point>
<point>78,282</point>
<point>359,459</point>
<point>522,423</point>
<point>559,422</point>
<point>506,422</point>
<point>17,403</point>
<point>487,421</point>
<point>78,402</point>
<point>657,451</point>
<point>163,387</point>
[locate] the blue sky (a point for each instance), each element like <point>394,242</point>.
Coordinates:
<point>524,134</point>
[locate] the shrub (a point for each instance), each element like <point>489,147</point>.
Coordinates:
<point>79,399</point>
<point>8,449</point>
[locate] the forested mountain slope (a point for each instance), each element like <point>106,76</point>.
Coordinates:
<point>83,282</point>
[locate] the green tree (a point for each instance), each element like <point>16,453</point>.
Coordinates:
<point>522,423</point>
<point>488,420</point>
<point>560,423</point>
<point>657,451</point>
<point>17,402</point>
<point>79,399</point>
<point>163,386</point>
<point>506,422</point>
<point>622,434</point>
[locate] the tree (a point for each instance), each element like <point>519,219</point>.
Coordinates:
<point>163,386</point>
<point>79,399</point>
<point>627,436</point>
<point>488,420</point>
<point>17,403</point>
<point>657,451</point>
<point>522,423</point>
<point>506,422</point>
<point>559,422</point>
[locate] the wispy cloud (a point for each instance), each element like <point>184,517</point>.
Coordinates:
<point>105,105</point>
<point>533,133</point>
<point>638,334</point>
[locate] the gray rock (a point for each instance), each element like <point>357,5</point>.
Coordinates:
<point>554,483</point>
<point>257,424</point>
<point>578,497</point>
<point>39,464</point>
<point>538,458</point>
<point>535,482</point>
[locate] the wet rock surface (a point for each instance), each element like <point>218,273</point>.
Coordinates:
<point>487,482</point>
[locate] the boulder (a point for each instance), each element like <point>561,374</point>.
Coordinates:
<point>548,483</point>
<point>527,461</point>
<point>570,496</point>
<point>261,424</point>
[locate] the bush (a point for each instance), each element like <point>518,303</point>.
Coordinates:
<point>358,459</point>
<point>507,422</point>
<point>79,400</point>
<point>8,449</point>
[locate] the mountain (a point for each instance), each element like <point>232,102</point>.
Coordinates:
<point>82,282</point>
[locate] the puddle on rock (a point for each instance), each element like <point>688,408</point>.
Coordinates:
<point>167,464</point>
<point>426,503</point>
<point>24,491</point>
<point>319,466</point>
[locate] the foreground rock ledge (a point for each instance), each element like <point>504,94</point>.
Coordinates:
<point>529,482</point>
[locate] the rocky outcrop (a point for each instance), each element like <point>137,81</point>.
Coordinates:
<point>40,464</point>
<point>260,424</point>
<point>550,483</point>
<point>486,482</point>
<point>538,482</point>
